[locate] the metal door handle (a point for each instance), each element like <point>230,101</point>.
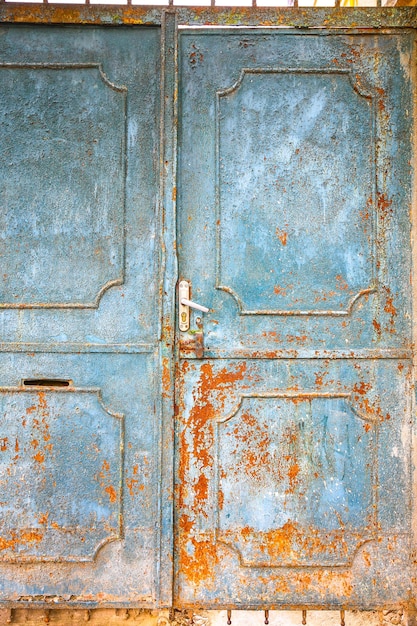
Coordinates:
<point>194,305</point>
<point>185,304</point>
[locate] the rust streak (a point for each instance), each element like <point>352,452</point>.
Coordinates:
<point>282,236</point>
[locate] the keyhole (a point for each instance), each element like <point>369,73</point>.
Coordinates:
<point>183,317</point>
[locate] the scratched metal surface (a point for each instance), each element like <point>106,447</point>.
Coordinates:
<point>294,431</point>
<point>80,511</point>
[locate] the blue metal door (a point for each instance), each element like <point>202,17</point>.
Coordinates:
<point>80,396</point>
<point>294,392</point>
<point>294,425</point>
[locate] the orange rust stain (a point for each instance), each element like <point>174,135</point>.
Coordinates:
<point>366,557</point>
<point>199,557</point>
<point>300,339</point>
<point>367,427</point>
<point>377,327</point>
<point>333,582</point>
<point>319,379</point>
<point>174,193</point>
<point>390,309</point>
<point>384,207</point>
<point>282,236</point>
<point>371,409</point>
<point>24,537</point>
<point>3,444</point>
<point>198,564</point>
<point>39,457</point>
<point>201,488</point>
<point>293,388</point>
<point>290,541</point>
<point>293,472</point>
<point>253,440</point>
<point>42,400</point>
<point>111,491</point>
<point>304,580</point>
<point>220,499</point>
<point>200,422</point>
<point>361,388</point>
<point>381,104</point>
<point>166,377</point>
<point>43,518</point>
<point>280,291</point>
<point>16,446</point>
<point>358,81</point>
<point>289,436</point>
<point>30,536</point>
<point>186,524</point>
<point>105,480</point>
<point>132,485</point>
<point>34,443</point>
<point>281,586</point>
<point>135,470</point>
<point>298,400</point>
<point>341,283</point>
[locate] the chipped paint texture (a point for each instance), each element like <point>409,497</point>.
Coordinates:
<point>294,430</point>
<point>274,480</point>
<point>79,302</point>
<point>203,16</point>
<point>305,222</point>
<point>49,429</point>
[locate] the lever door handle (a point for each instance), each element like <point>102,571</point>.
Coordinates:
<point>185,304</point>
<point>194,305</point>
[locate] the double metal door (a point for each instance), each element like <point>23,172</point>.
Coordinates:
<point>293,426</point>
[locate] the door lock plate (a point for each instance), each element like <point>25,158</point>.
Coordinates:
<point>183,310</point>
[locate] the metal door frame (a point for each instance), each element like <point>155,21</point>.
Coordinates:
<point>171,19</point>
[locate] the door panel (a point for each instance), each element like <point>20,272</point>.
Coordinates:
<point>296,190</point>
<point>290,492</point>
<point>80,513</point>
<point>56,103</point>
<point>80,135</point>
<point>294,411</point>
<point>78,480</point>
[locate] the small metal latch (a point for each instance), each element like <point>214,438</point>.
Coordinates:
<point>185,304</point>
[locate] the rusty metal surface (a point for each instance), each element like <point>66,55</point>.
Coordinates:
<point>294,400</point>
<point>289,490</point>
<point>294,430</point>
<point>67,617</point>
<point>81,520</point>
<point>386,17</point>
